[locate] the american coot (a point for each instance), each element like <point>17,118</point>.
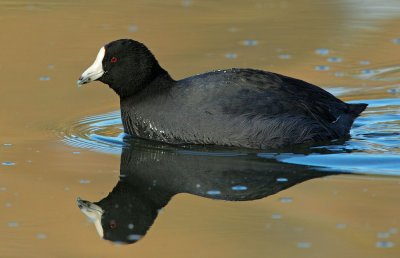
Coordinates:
<point>234,107</point>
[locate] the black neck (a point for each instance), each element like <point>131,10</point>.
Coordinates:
<point>156,81</point>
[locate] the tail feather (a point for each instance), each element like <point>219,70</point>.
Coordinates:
<point>345,121</point>
<point>356,109</point>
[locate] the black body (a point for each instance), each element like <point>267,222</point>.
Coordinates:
<point>235,107</point>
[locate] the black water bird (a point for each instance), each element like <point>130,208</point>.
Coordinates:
<point>234,107</point>
<point>151,175</point>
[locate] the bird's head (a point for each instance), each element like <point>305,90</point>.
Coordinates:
<point>126,65</point>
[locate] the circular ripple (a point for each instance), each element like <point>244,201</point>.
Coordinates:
<point>102,133</point>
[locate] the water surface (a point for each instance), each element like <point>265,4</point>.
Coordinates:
<point>58,142</point>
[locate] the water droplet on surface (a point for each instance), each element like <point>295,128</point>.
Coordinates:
<point>285,56</point>
<point>276,216</point>
<point>131,226</point>
<point>367,71</point>
<point>231,55</point>
<point>187,3</point>
<point>394,91</point>
<point>365,62</point>
<point>396,41</point>
<point>133,28</point>
<point>250,42</point>
<point>322,68</point>
<point>50,66</point>
<point>44,78</point>
<point>322,51</point>
<point>303,245</point>
<point>213,192</point>
<point>7,144</point>
<point>393,230</point>
<point>3,189</point>
<point>384,244</point>
<point>84,181</point>
<point>282,179</point>
<point>134,237</point>
<point>335,59</point>
<point>13,224</point>
<point>198,185</point>
<point>76,152</point>
<point>286,199</point>
<point>7,204</point>
<point>383,235</point>
<point>239,188</point>
<point>341,226</point>
<point>8,163</point>
<point>41,236</point>
<point>339,74</point>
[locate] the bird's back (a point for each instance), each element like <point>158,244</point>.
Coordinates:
<point>240,107</point>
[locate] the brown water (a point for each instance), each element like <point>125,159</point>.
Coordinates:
<point>52,150</point>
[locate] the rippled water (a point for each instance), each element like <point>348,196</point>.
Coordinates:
<point>374,146</point>
<point>103,133</point>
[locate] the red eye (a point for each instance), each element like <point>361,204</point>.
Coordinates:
<point>113,224</point>
<point>114,60</point>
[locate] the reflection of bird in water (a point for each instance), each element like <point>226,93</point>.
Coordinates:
<point>151,177</point>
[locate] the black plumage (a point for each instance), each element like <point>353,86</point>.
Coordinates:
<point>234,107</point>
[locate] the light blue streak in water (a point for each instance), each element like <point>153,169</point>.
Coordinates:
<point>239,188</point>
<point>8,163</point>
<point>357,162</point>
<point>213,192</point>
